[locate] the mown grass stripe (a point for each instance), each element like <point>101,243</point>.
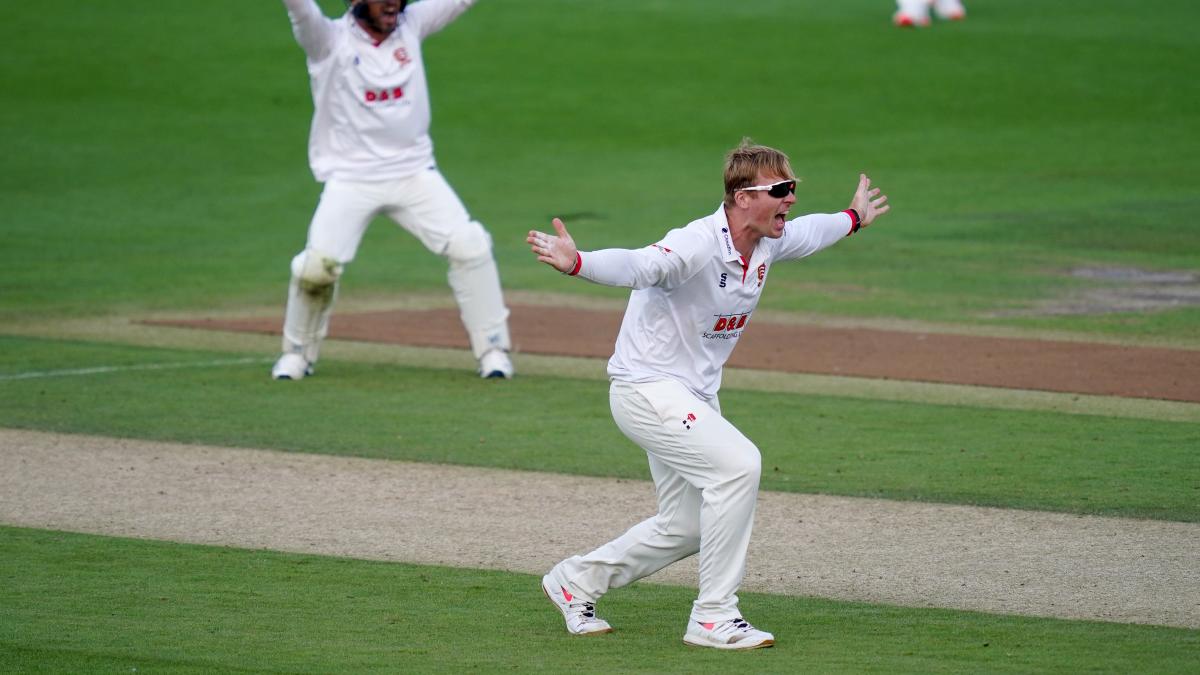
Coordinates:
<point>100,370</point>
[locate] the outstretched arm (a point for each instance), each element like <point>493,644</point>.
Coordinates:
<point>814,232</point>
<point>868,202</point>
<point>431,16</point>
<point>627,268</point>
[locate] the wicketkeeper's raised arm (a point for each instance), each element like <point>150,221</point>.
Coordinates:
<point>313,30</point>
<point>431,16</point>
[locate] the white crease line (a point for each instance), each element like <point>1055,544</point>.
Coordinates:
<point>145,366</point>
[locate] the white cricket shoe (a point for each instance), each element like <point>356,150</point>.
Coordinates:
<point>949,10</point>
<point>495,364</point>
<point>732,634</point>
<point>580,616</point>
<point>911,13</point>
<point>291,366</point>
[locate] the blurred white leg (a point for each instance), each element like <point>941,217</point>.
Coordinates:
<point>429,209</point>
<point>336,230</point>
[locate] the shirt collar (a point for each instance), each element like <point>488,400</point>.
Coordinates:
<point>724,236</point>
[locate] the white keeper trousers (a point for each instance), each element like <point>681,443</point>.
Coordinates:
<point>706,476</point>
<point>426,206</point>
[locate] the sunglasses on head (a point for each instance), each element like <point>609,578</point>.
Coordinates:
<point>777,190</point>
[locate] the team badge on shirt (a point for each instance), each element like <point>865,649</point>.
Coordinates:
<point>402,56</point>
<point>762,273</point>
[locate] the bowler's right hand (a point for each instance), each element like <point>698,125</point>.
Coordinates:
<point>558,251</point>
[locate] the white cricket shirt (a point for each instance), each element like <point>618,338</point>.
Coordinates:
<point>370,100</point>
<point>694,295</point>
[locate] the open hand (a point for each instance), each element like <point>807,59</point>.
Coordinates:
<point>868,202</point>
<point>557,251</point>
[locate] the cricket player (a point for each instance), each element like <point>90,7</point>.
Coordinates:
<point>911,13</point>
<point>694,293</point>
<point>369,144</point>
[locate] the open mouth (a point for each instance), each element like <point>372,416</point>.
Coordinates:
<point>389,12</point>
<point>388,19</point>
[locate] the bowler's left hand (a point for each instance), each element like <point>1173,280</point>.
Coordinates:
<point>868,202</point>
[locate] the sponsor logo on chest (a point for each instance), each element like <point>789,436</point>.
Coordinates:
<point>727,326</point>
<point>381,95</point>
<point>376,71</point>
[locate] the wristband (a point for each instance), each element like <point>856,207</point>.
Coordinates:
<point>855,221</point>
<point>578,264</point>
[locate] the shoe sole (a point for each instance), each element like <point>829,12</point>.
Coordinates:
<point>289,378</point>
<point>546,593</point>
<point>730,646</point>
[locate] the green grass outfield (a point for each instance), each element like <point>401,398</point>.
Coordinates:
<point>73,603</point>
<point>156,152</point>
<point>824,444</point>
<point>154,161</point>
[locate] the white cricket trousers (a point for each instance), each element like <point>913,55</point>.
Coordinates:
<point>706,476</point>
<point>425,205</point>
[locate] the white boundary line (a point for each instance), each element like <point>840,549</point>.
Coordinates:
<point>97,370</point>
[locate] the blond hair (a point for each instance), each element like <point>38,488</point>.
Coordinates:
<point>747,161</point>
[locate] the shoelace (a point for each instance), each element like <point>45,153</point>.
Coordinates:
<point>589,609</point>
<point>738,625</point>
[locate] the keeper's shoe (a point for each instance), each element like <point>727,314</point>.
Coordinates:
<point>580,616</point>
<point>291,366</point>
<point>495,364</point>
<point>731,634</point>
<point>949,10</point>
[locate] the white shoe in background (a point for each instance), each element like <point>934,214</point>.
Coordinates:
<point>949,10</point>
<point>911,13</point>
<point>495,364</point>
<point>291,366</point>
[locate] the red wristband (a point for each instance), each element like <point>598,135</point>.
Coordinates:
<point>578,264</point>
<point>855,221</point>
